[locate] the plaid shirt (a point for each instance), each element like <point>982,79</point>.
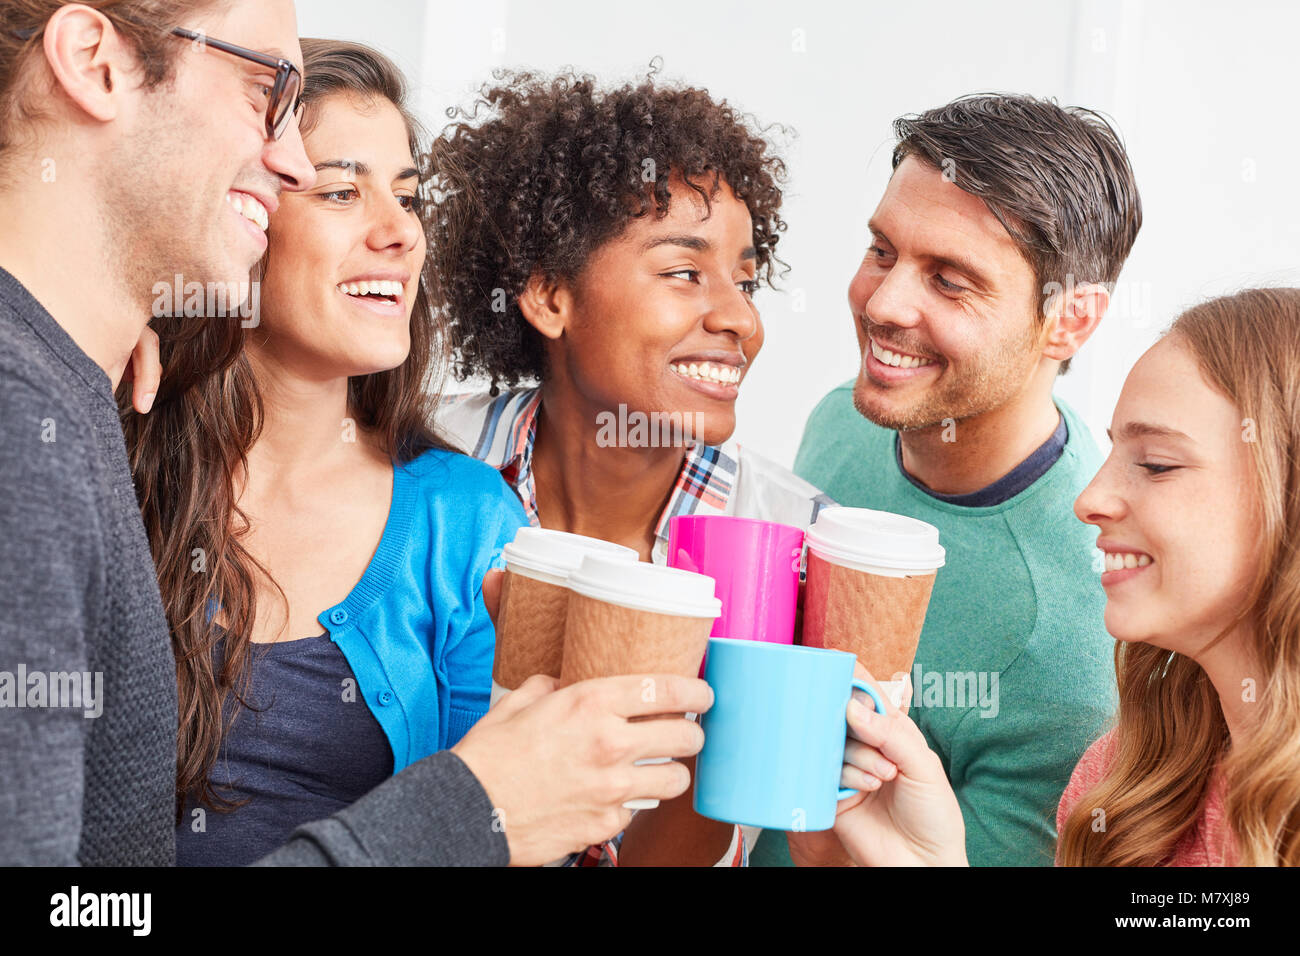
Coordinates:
<point>715,479</point>
<point>500,430</point>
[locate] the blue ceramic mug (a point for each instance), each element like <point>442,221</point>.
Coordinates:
<point>774,737</point>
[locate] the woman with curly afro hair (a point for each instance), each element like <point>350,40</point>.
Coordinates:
<point>598,251</point>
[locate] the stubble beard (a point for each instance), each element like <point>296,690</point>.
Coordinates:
<point>156,221</point>
<point>991,382</point>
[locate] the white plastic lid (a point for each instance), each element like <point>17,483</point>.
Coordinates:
<point>559,553</point>
<point>646,587</point>
<point>860,537</point>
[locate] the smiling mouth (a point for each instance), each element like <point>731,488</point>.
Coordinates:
<point>1126,560</point>
<point>385,290</point>
<point>715,373</point>
<point>250,208</point>
<point>897,359</point>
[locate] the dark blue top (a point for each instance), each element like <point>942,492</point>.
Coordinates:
<point>310,748</point>
<point>1010,484</point>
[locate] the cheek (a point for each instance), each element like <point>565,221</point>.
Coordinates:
<point>610,354</point>
<point>1206,566</point>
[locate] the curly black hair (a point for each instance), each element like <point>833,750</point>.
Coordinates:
<point>556,167</point>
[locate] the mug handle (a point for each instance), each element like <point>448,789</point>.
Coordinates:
<point>862,685</point>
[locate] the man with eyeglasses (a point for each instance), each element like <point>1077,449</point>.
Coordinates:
<point>147,141</point>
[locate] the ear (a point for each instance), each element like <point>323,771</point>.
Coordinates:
<point>88,59</point>
<point>1076,315</point>
<point>547,305</point>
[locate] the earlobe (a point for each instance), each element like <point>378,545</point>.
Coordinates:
<point>83,52</point>
<point>547,305</point>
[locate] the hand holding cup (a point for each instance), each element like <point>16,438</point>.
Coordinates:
<point>558,764</point>
<point>905,813</point>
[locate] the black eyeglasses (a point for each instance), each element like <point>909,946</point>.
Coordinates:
<point>286,92</point>
<point>285,97</point>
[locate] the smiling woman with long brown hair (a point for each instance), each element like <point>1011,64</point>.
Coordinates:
<point>302,490</point>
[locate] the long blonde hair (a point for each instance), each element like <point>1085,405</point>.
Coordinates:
<point>1171,734</point>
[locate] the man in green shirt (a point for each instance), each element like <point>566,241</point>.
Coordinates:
<point>1005,223</point>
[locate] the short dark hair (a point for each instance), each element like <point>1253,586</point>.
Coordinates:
<point>1057,178</point>
<point>541,170</point>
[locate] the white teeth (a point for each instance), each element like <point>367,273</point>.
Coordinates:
<point>708,372</point>
<point>1120,561</point>
<point>896,359</point>
<point>250,209</point>
<point>372,287</point>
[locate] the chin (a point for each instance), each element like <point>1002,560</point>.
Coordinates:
<point>714,428</point>
<point>376,360</point>
<point>1126,630</point>
<point>870,403</point>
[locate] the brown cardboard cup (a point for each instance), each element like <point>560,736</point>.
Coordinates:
<point>868,584</point>
<point>639,619</point>
<point>535,599</point>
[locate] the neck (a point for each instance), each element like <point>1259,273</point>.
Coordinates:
<point>306,426</point>
<point>55,244</point>
<point>975,452</point>
<point>612,493</point>
<point>1229,664</point>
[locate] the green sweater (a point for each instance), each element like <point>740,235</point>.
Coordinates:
<point>1014,676</point>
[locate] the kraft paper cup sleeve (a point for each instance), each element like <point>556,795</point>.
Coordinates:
<point>530,638</point>
<point>874,616</point>
<point>606,640</point>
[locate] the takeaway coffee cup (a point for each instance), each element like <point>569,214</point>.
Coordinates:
<point>636,619</point>
<point>774,738</point>
<point>868,584</point>
<point>535,601</point>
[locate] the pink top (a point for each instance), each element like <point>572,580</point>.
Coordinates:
<point>1208,843</point>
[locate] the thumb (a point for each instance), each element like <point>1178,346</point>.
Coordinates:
<point>529,692</point>
<point>146,371</point>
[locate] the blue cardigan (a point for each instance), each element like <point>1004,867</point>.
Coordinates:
<point>414,629</point>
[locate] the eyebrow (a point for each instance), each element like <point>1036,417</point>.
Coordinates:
<point>694,243</point>
<point>952,261</point>
<point>1150,430</point>
<point>361,169</point>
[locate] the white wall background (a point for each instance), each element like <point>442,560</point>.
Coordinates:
<point>1203,93</point>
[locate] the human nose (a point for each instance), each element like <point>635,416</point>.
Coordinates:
<point>1100,501</point>
<point>394,226</point>
<point>894,301</point>
<point>733,311</point>
<point>287,158</point>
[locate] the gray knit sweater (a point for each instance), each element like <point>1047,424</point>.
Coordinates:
<point>87,678</point>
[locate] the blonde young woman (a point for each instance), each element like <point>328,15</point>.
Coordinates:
<point>1197,509</point>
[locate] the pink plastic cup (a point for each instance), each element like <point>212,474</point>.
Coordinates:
<point>756,567</point>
